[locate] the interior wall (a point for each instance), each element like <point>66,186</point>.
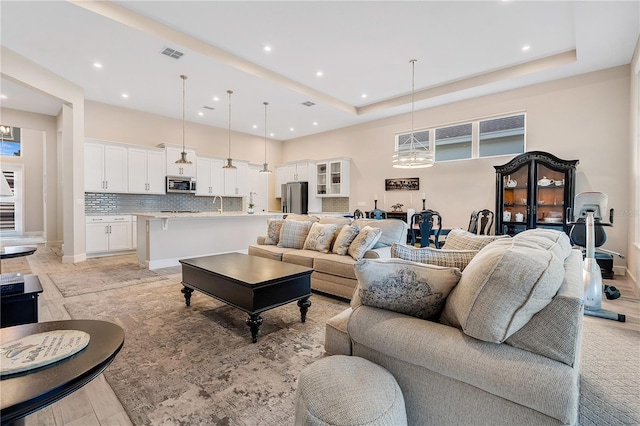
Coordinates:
<point>141,128</point>
<point>584,117</point>
<point>39,159</point>
<point>634,177</point>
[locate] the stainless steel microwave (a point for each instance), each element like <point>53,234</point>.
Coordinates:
<point>181,184</point>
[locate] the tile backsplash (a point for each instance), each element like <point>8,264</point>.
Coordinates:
<point>338,204</point>
<point>106,203</point>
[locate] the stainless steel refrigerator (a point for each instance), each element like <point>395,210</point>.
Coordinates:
<point>295,197</point>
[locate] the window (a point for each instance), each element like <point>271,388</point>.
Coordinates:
<point>502,136</point>
<point>453,143</point>
<point>11,219</point>
<point>403,140</point>
<point>10,141</point>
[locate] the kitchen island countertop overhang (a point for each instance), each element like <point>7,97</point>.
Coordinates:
<point>165,238</point>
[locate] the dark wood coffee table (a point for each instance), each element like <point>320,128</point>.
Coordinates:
<point>250,283</point>
<point>24,393</point>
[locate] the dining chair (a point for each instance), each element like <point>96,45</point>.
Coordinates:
<point>377,214</point>
<point>426,227</point>
<point>481,222</point>
<point>357,214</point>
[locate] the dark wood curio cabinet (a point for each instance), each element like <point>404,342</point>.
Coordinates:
<point>534,190</point>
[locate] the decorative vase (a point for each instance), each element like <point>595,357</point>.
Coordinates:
<point>250,210</point>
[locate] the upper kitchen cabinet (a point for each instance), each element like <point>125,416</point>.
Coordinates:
<point>534,190</point>
<point>209,176</point>
<point>146,170</point>
<point>332,178</point>
<point>173,154</point>
<point>236,182</point>
<point>105,167</point>
<point>293,172</point>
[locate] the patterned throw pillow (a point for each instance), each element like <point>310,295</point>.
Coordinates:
<point>294,233</point>
<point>320,237</point>
<point>459,239</point>
<point>344,239</point>
<point>441,257</point>
<point>366,239</point>
<point>273,231</point>
<point>402,286</point>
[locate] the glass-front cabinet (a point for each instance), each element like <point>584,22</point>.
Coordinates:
<point>534,190</point>
<point>332,178</point>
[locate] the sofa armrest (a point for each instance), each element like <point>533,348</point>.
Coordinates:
<point>499,369</point>
<point>379,253</point>
<point>261,239</point>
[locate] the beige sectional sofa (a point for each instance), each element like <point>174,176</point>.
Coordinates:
<point>504,350</point>
<point>334,273</point>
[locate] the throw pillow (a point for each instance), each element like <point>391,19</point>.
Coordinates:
<point>501,289</point>
<point>344,239</point>
<point>459,239</point>
<point>273,231</point>
<point>294,233</point>
<point>449,258</point>
<point>364,241</point>
<point>393,230</point>
<point>402,286</point>
<point>320,237</point>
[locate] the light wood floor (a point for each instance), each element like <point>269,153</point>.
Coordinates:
<point>96,404</point>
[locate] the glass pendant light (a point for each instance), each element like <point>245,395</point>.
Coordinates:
<point>419,154</point>
<point>183,154</point>
<point>265,166</point>
<point>229,164</point>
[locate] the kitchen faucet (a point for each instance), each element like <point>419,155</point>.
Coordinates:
<point>220,210</point>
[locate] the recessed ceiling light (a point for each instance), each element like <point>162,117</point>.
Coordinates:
<point>267,48</point>
<point>526,47</point>
<point>215,98</point>
<point>200,113</point>
<point>364,95</point>
<point>315,123</point>
<point>97,64</point>
<point>125,95</point>
<point>319,73</point>
<point>255,126</point>
<point>291,129</point>
<point>3,96</point>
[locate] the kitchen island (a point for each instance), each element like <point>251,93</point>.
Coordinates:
<point>165,238</point>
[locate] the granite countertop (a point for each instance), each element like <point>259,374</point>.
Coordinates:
<point>202,215</point>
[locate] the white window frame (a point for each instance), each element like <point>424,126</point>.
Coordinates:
<point>17,199</point>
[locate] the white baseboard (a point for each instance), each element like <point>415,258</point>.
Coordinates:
<point>74,258</point>
<point>620,270</point>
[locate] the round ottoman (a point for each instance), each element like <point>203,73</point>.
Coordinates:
<point>347,390</point>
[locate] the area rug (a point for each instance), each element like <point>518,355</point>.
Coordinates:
<point>102,277</point>
<point>196,365</point>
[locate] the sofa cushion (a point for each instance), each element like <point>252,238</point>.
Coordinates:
<point>501,289</point>
<point>337,341</point>
<point>459,239</point>
<point>393,230</point>
<point>320,237</point>
<point>555,241</point>
<point>294,233</point>
<point>410,288</point>
<point>301,257</point>
<point>365,240</point>
<point>449,258</point>
<point>554,332</point>
<point>345,238</point>
<point>335,264</point>
<point>273,231</point>
<point>301,217</point>
<point>339,221</point>
<point>270,252</point>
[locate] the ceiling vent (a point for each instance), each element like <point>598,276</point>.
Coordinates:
<point>308,103</point>
<point>208,107</point>
<point>172,53</point>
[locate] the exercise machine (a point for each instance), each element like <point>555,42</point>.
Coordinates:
<point>587,231</point>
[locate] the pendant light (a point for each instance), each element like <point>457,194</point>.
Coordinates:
<point>229,164</point>
<point>183,154</point>
<point>265,166</point>
<point>418,155</point>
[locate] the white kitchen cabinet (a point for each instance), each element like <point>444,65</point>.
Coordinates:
<point>108,233</point>
<point>332,177</point>
<point>236,180</point>
<point>174,169</point>
<point>105,167</point>
<point>292,172</point>
<point>209,176</point>
<point>146,170</point>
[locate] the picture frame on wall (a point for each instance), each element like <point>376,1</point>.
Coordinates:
<point>402,184</point>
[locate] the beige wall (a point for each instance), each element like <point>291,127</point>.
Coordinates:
<point>38,140</point>
<point>141,128</point>
<point>634,176</point>
<point>584,118</point>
